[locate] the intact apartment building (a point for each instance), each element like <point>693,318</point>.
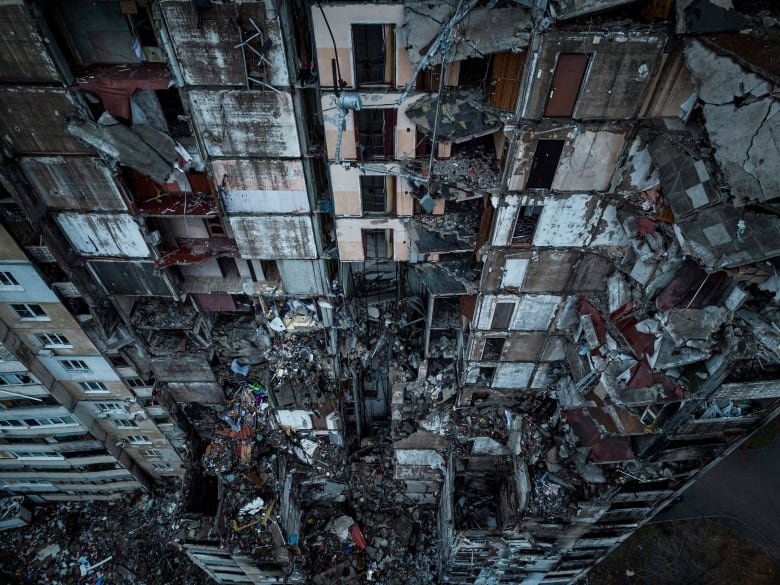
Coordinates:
<point>555,218</point>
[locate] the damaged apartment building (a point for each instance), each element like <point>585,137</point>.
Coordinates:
<point>396,292</point>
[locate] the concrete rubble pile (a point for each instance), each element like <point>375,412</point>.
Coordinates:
<point>122,542</point>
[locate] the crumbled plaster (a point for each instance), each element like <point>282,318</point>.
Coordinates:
<point>741,120</point>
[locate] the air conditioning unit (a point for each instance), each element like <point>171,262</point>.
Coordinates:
<point>45,353</point>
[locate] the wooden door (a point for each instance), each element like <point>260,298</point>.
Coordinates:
<point>566,83</point>
<point>505,77</point>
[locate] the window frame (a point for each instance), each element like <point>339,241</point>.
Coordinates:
<point>30,312</point>
<point>53,340</point>
<point>373,54</point>
<point>125,423</point>
<point>110,407</point>
<point>4,380</point>
<point>369,197</point>
<point>75,365</point>
<point>138,439</point>
<point>370,142</point>
<point>11,284</point>
<point>99,387</point>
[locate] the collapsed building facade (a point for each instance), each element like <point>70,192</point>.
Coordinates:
<point>400,291</point>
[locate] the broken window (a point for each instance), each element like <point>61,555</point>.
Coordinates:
<point>527,218</point>
<point>566,83</point>
<point>89,32</point>
<point>118,361</point>
<point>374,194</point>
<point>173,111</point>
<point>19,379</point>
<point>375,129</point>
<point>545,163</point>
<point>214,226</point>
<point>374,51</point>
<point>270,270</point>
<point>377,244</point>
<point>493,348</point>
<point>485,377</point>
<point>502,315</point>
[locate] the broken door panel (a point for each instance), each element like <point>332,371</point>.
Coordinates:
<point>545,163</point>
<point>505,79</point>
<point>566,83</point>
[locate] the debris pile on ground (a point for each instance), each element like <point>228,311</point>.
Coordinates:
<point>126,542</point>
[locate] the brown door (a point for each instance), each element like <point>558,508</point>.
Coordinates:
<point>502,315</point>
<point>566,84</point>
<point>505,77</point>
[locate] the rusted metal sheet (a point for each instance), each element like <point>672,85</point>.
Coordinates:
<point>34,120</point>
<point>196,250</point>
<point>23,55</point>
<point>74,183</point>
<point>566,83</point>
<point>285,237</point>
<point>262,186</point>
<point>164,204</point>
<point>97,234</point>
<point>237,122</point>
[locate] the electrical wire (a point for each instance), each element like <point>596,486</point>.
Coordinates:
<point>335,50</point>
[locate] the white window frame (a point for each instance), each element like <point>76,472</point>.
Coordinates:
<point>8,281</point>
<point>7,380</point>
<point>110,407</point>
<point>152,453</point>
<point>136,382</point>
<point>54,341</point>
<point>37,455</point>
<point>138,439</point>
<point>50,421</point>
<point>94,388</point>
<point>125,423</point>
<point>30,312</point>
<point>162,467</point>
<point>75,365</point>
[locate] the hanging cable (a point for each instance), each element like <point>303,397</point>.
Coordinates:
<point>339,81</point>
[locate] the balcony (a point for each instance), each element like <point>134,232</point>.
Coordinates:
<point>196,250</point>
